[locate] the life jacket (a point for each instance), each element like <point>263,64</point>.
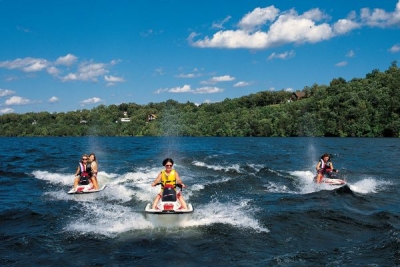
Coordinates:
<point>168,179</point>
<point>326,165</point>
<point>85,172</point>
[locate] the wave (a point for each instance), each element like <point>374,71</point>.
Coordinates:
<point>120,207</point>
<point>369,185</point>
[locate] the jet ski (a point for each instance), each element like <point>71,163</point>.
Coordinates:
<point>330,178</point>
<point>169,203</point>
<point>85,186</point>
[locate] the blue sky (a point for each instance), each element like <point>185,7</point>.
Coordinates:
<point>61,56</point>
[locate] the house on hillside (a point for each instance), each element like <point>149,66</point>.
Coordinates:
<point>125,119</point>
<point>151,117</point>
<point>298,95</point>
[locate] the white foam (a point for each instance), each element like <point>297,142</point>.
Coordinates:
<point>106,212</point>
<point>232,167</point>
<point>107,219</point>
<point>238,214</point>
<point>369,185</point>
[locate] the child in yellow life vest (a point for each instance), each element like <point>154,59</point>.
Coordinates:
<point>168,176</point>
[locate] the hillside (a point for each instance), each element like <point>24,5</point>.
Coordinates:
<point>361,107</point>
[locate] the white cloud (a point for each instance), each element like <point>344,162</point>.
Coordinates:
<point>289,27</point>
<point>220,24</point>
<point>381,18</point>
<point>6,110</point>
<point>92,100</point>
<point>225,78</point>
<point>284,55</point>
<point>241,84</point>
<point>67,60</point>
<point>351,54</point>
<point>341,64</point>
<point>53,99</point>
<point>258,17</point>
<point>189,75</point>
<point>395,48</point>
<point>87,71</point>
<point>344,26</point>
<point>187,89</point>
<point>184,89</point>
<point>17,100</point>
<point>113,79</point>
<point>208,90</point>
<point>53,71</point>
<point>6,92</point>
<point>26,64</point>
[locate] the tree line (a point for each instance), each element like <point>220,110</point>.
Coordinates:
<point>361,107</point>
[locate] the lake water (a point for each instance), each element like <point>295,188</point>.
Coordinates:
<point>254,198</point>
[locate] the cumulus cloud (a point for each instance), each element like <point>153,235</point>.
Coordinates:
<point>341,64</point>
<point>26,64</point>
<point>381,18</point>
<point>208,90</point>
<point>241,84</point>
<point>6,92</point>
<point>187,89</point>
<point>114,79</point>
<point>92,100</point>
<point>17,100</point>
<point>225,78</point>
<point>268,27</point>
<point>53,99</point>
<point>395,48</point>
<point>85,71</point>
<point>258,17</point>
<point>184,89</point>
<point>6,110</point>
<point>67,60</point>
<point>351,54</point>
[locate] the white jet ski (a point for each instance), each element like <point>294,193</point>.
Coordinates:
<point>169,203</point>
<point>330,178</point>
<point>84,187</point>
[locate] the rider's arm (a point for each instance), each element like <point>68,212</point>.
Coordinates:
<point>78,170</point>
<point>318,165</point>
<point>178,179</point>
<point>157,180</point>
<point>332,167</point>
<point>94,168</point>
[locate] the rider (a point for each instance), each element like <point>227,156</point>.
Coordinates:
<point>324,166</point>
<point>94,169</point>
<point>84,171</point>
<point>171,177</point>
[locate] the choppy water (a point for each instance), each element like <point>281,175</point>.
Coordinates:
<point>254,199</point>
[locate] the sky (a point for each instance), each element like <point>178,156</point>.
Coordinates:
<point>68,55</point>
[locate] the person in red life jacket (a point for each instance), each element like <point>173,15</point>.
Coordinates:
<point>94,168</point>
<point>323,167</point>
<point>171,177</point>
<point>83,172</point>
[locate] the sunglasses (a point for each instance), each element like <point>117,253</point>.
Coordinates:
<point>168,165</point>
<point>84,159</point>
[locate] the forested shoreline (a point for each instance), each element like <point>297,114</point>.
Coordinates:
<point>361,107</point>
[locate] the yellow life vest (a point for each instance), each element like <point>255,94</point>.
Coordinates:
<point>169,179</point>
